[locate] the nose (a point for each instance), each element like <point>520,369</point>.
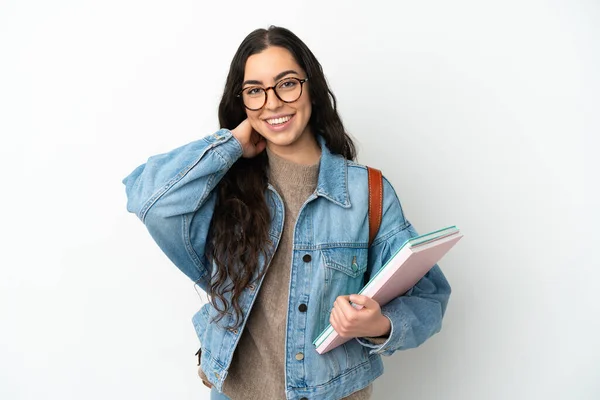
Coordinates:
<point>273,102</point>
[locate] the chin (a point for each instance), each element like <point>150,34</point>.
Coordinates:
<point>283,138</point>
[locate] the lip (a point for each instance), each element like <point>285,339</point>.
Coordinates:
<point>277,116</point>
<point>281,127</point>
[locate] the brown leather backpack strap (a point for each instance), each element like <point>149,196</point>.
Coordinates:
<point>375,202</point>
<point>200,372</point>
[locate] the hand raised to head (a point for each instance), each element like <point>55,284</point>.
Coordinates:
<point>252,142</point>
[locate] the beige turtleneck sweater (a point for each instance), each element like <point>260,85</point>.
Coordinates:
<point>257,370</point>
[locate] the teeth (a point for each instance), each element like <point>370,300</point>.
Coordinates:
<point>279,121</point>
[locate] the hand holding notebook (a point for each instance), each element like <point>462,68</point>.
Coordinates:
<point>356,315</point>
<point>404,269</point>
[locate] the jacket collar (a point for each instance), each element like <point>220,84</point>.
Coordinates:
<point>333,176</point>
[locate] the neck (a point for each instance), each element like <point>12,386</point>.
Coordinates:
<point>305,150</point>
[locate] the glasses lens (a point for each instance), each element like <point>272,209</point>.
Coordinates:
<point>254,97</point>
<point>289,89</point>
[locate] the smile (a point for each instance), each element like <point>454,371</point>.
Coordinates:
<point>279,121</point>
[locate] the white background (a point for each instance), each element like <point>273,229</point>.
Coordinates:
<point>482,114</point>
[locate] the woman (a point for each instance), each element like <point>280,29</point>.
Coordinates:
<point>270,219</point>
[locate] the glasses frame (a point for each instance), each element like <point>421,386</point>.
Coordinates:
<point>274,91</point>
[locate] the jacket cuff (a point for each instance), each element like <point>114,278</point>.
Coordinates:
<point>226,145</point>
<point>378,345</point>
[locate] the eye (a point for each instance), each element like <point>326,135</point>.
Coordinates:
<point>287,84</point>
<point>253,91</point>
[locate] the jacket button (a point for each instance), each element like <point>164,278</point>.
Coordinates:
<point>302,307</point>
<point>306,258</point>
<point>299,356</point>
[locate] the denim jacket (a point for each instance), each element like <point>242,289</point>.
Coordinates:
<point>173,196</point>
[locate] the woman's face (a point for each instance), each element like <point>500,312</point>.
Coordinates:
<point>281,124</point>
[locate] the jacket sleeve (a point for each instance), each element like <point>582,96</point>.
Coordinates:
<point>172,194</point>
<point>416,315</point>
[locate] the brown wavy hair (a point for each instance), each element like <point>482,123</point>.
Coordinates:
<point>239,231</point>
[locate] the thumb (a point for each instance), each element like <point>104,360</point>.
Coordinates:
<point>365,302</point>
<point>261,145</point>
<point>360,299</point>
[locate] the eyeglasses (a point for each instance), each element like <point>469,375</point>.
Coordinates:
<point>287,90</point>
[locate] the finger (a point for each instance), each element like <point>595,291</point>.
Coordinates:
<point>246,128</point>
<point>254,136</point>
<point>345,299</point>
<point>336,319</point>
<point>261,145</point>
<point>333,321</point>
<point>363,301</point>
<point>342,303</point>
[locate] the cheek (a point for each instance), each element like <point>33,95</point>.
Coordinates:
<point>253,119</point>
<point>306,105</point>
<point>309,109</point>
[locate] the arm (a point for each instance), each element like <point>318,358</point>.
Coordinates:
<point>173,196</point>
<point>416,315</point>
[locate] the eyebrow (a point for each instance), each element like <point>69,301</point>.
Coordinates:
<point>275,78</point>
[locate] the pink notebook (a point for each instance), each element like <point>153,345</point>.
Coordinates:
<point>414,259</point>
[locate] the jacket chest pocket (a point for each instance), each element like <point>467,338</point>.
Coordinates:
<point>344,269</point>
<point>344,263</point>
